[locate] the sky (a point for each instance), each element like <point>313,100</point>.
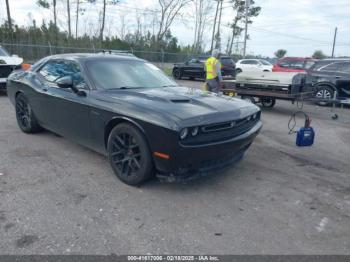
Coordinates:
<point>299,26</point>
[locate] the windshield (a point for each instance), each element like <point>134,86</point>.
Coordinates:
<point>264,62</point>
<point>3,52</point>
<point>117,74</point>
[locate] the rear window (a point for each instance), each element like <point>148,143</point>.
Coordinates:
<point>227,61</point>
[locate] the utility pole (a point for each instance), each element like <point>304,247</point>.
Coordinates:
<point>334,39</point>
<point>8,15</point>
<point>212,37</point>
<point>76,20</point>
<point>218,38</point>
<point>247,2</point>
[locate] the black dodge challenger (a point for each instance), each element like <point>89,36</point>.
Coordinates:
<point>127,109</point>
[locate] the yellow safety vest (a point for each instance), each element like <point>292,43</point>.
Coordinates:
<point>210,66</point>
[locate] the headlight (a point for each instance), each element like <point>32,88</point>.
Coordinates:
<point>183,133</point>
<point>194,131</point>
<point>255,115</point>
<point>249,117</point>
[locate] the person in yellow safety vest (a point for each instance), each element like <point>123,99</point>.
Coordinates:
<point>213,71</point>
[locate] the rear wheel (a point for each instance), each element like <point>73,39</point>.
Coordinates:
<point>25,117</point>
<point>324,93</point>
<point>129,155</point>
<point>268,102</point>
<point>249,99</point>
<point>177,74</point>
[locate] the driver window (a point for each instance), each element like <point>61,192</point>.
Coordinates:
<point>54,70</point>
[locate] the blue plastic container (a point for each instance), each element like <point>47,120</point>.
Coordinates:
<point>305,136</point>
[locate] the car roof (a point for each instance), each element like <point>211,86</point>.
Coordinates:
<point>296,58</point>
<point>94,56</point>
<point>336,59</point>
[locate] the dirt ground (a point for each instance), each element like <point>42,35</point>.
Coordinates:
<point>58,197</point>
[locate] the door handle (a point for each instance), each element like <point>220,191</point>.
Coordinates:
<point>337,77</point>
<point>44,89</point>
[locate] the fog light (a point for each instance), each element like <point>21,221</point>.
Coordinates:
<point>249,117</point>
<point>194,131</point>
<point>254,116</point>
<point>183,133</point>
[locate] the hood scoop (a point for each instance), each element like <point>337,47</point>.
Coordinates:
<point>180,100</point>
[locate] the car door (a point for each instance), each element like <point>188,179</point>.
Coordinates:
<point>343,79</point>
<point>192,68</point>
<point>67,112</point>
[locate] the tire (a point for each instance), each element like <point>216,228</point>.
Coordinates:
<point>177,74</point>
<point>26,119</point>
<point>324,92</point>
<point>249,99</point>
<point>268,102</point>
<point>129,155</point>
<point>238,70</point>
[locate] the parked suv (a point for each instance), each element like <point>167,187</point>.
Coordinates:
<point>253,65</point>
<point>194,68</point>
<point>293,64</point>
<point>328,76</point>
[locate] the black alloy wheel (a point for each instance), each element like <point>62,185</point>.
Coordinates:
<point>129,155</point>
<point>177,74</point>
<point>25,117</point>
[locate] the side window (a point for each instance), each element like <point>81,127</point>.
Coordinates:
<point>246,62</point>
<point>54,70</point>
<point>333,67</point>
<point>254,62</point>
<point>345,67</point>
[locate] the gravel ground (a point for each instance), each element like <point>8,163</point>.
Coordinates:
<point>60,198</point>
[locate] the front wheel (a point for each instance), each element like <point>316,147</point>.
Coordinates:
<point>25,117</point>
<point>129,155</point>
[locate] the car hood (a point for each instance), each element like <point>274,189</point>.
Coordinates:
<point>11,60</point>
<point>180,106</point>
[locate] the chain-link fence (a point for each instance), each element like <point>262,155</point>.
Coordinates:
<point>31,53</point>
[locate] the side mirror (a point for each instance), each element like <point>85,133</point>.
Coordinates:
<point>65,82</point>
<point>186,63</point>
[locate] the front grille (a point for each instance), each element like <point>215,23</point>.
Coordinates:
<point>6,70</point>
<point>221,131</point>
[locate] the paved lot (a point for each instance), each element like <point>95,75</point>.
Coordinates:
<point>57,197</point>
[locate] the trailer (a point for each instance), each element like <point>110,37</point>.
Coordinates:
<point>267,87</point>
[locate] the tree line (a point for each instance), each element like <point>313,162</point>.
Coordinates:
<point>159,39</point>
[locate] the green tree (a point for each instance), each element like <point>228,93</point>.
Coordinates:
<point>318,54</point>
<point>280,53</point>
<point>239,9</point>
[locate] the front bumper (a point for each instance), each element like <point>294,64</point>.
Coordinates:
<point>188,162</point>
